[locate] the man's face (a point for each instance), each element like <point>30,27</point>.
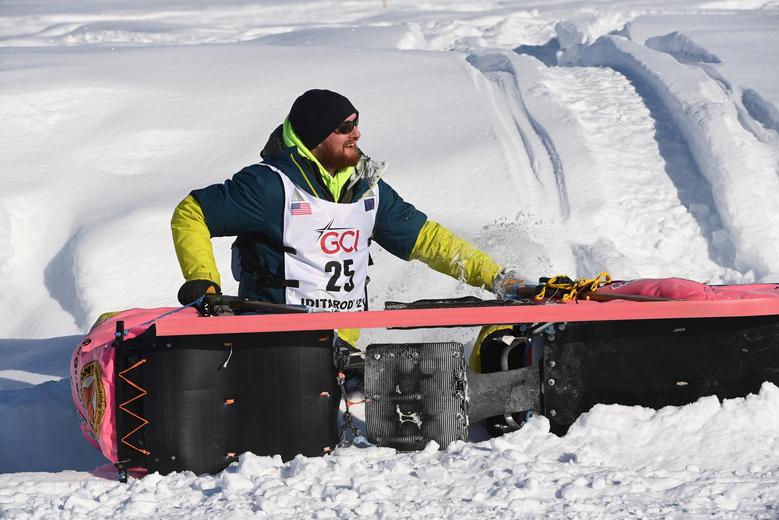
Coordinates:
<point>339,150</point>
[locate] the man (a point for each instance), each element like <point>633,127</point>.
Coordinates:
<point>305,216</point>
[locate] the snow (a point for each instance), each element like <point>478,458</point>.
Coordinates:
<point>615,462</point>
<point>634,137</point>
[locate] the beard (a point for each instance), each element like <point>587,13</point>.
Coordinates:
<point>336,158</point>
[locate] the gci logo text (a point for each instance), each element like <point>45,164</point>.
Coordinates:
<point>335,240</point>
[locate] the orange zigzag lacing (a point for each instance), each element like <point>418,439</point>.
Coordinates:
<point>123,406</point>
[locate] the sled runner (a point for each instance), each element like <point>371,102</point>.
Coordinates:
<point>180,388</point>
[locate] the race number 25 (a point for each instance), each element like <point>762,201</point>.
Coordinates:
<point>337,269</point>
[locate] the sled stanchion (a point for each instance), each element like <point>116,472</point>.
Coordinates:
<point>504,393</point>
<point>126,451</point>
<point>120,360</point>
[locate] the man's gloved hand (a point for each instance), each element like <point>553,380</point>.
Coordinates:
<point>194,289</point>
<point>510,285</point>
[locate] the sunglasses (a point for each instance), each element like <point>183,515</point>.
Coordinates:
<point>347,126</point>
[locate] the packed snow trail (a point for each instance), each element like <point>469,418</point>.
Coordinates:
<point>604,164</point>
<point>622,174</point>
<point>743,185</point>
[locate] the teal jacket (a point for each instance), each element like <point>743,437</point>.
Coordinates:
<point>250,206</point>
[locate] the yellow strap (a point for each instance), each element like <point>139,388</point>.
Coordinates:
<point>572,289</point>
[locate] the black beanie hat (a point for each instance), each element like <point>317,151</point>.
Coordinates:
<point>316,113</point>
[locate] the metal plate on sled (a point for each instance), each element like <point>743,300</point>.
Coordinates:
<point>656,363</point>
<point>416,393</point>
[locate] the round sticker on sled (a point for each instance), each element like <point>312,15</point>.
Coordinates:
<point>92,395</point>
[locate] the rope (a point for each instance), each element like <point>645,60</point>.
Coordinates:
<point>568,289</point>
<point>174,311</point>
<point>347,426</point>
<point>123,407</point>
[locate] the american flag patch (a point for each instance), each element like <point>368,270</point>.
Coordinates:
<point>370,204</point>
<point>300,208</point>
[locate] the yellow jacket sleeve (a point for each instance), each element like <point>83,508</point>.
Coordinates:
<point>192,241</point>
<point>449,254</point>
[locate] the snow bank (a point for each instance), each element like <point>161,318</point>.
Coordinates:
<point>122,152</point>
<point>742,183</point>
<point>761,109</point>
<point>743,41</point>
<point>614,461</point>
<point>681,47</point>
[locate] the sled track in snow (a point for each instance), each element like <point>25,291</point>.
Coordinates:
<point>632,159</point>
<point>712,121</point>
<point>683,171</point>
<point>557,165</point>
<point>693,127</point>
<point>498,69</point>
<point>621,151</point>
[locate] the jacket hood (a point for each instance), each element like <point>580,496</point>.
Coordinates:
<point>275,143</point>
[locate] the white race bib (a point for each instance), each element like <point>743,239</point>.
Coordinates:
<point>326,248</point>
